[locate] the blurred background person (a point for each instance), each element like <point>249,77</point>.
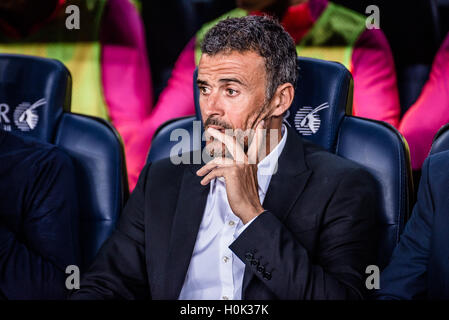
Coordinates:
<point>106,56</point>
<point>38,219</point>
<point>431,111</point>
<point>169,25</point>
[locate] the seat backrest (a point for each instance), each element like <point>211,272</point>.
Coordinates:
<point>34,93</point>
<point>35,96</point>
<point>382,150</point>
<point>321,113</point>
<point>170,137</point>
<point>441,140</point>
<point>98,156</point>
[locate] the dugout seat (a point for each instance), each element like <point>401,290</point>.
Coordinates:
<point>321,112</point>
<point>35,97</point>
<point>441,140</point>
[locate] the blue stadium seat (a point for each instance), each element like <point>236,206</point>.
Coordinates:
<point>441,140</point>
<point>35,97</point>
<point>324,96</point>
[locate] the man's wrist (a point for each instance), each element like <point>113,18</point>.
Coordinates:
<point>246,225</point>
<point>253,213</point>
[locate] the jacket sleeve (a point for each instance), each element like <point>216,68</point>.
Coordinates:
<point>118,271</point>
<point>33,261</point>
<point>345,247</point>
<point>405,276</point>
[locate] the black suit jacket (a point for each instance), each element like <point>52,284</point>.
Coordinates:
<point>419,265</point>
<point>314,240</point>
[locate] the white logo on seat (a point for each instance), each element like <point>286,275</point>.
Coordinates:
<point>307,119</point>
<point>25,115</point>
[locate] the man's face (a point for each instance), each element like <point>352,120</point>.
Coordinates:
<point>232,91</point>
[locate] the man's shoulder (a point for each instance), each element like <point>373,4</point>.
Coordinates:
<point>33,152</point>
<point>168,168</point>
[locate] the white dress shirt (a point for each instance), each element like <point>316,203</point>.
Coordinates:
<point>215,272</point>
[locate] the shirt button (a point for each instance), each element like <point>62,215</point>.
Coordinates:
<point>225,259</point>
<point>231,223</point>
<point>225,298</point>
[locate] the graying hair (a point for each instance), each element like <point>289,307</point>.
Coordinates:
<point>263,35</point>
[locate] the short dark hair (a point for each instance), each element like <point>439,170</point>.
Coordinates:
<point>262,34</point>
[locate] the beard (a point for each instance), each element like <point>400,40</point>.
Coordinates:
<point>243,137</point>
<point>214,147</point>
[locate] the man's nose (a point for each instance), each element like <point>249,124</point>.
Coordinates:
<point>213,105</point>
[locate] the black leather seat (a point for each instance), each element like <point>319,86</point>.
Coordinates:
<point>441,140</point>
<point>324,96</point>
<point>35,97</point>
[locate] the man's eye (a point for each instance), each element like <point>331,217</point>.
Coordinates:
<point>231,92</point>
<point>204,90</point>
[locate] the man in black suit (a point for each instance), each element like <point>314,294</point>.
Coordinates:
<point>38,219</point>
<point>297,223</point>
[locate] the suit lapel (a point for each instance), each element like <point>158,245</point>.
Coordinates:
<point>189,212</point>
<point>286,185</point>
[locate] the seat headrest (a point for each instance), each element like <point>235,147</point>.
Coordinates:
<point>323,96</point>
<point>441,140</point>
<point>34,92</point>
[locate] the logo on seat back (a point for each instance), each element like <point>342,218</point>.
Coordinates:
<point>25,115</point>
<point>307,119</point>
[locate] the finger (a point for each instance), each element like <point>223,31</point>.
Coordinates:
<point>215,163</point>
<point>231,144</point>
<point>215,173</point>
<point>258,143</point>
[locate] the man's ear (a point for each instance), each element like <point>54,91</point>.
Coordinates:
<point>283,98</point>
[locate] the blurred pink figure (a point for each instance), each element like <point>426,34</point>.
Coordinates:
<point>430,111</point>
